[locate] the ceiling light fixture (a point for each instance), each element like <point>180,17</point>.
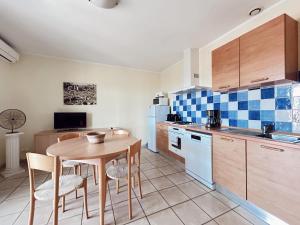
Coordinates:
<point>106,4</point>
<point>255,11</point>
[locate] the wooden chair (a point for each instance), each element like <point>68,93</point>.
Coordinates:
<point>128,170</point>
<point>53,189</point>
<point>70,163</point>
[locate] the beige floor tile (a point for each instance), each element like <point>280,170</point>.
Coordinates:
<point>212,206</point>
<point>160,163</point>
<point>191,189</point>
<point>73,208</point>
<point>179,178</point>
<point>121,196</point>
<point>41,216</point>
<point>167,170</point>
<point>202,186</point>
<point>249,216</point>
<point>11,184</point>
<point>191,214</point>
<point>94,218</point>
<point>13,206</point>
<point>142,221</point>
<point>93,201</point>
<point>9,219</point>
<point>76,220</point>
<point>20,192</point>
<point>214,223</point>
<point>147,166</point>
<point>153,173</point>
<point>121,212</point>
<point>4,194</point>
<point>165,217</point>
<point>161,183</point>
<point>224,199</point>
<point>173,196</point>
<point>153,202</point>
<point>231,218</point>
<point>147,188</point>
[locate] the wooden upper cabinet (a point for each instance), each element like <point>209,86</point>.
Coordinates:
<point>229,164</point>
<point>273,179</point>
<point>269,52</point>
<point>226,66</point>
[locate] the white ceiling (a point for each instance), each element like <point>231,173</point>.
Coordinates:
<point>144,34</point>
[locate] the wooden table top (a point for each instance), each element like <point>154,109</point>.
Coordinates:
<point>81,149</point>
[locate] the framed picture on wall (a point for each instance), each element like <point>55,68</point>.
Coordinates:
<point>79,94</point>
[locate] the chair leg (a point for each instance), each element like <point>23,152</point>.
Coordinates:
<point>55,210</point>
<point>140,184</point>
<point>117,186</point>
<point>31,212</point>
<point>79,168</point>
<point>61,170</point>
<point>64,204</point>
<point>129,199</point>
<point>75,172</point>
<point>85,198</point>
<point>94,174</point>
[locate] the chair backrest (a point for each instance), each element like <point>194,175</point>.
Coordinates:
<point>44,163</point>
<point>133,151</point>
<point>68,136</point>
<point>121,132</point>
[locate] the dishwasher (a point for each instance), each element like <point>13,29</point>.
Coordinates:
<point>198,156</point>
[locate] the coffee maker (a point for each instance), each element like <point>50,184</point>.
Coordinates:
<point>213,119</point>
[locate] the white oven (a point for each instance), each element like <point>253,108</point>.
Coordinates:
<point>176,136</point>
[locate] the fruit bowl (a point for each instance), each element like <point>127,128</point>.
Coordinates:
<point>95,137</point>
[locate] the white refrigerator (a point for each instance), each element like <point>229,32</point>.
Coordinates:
<point>156,113</point>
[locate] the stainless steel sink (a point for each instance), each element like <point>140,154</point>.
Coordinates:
<point>277,137</point>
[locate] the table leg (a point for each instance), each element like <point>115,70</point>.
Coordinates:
<point>102,190</point>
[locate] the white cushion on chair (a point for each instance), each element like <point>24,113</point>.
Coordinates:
<point>67,184</point>
<point>120,170</point>
<point>70,163</point>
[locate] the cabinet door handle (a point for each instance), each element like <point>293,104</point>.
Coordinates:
<point>227,139</point>
<point>223,87</point>
<point>261,79</point>
<point>272,148</point>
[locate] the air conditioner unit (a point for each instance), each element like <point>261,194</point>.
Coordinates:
<point>7,53</point>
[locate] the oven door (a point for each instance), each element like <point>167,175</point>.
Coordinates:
<point>175,143</point>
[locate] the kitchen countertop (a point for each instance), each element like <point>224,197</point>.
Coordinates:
<point>219,131</point>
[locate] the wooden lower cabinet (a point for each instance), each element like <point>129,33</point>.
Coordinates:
<point>273,180</point>
<point>229,164</point>
<point>162,138</point>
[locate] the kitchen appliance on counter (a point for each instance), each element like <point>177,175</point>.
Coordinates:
<point>160,101</point>
<point>198,156</point>
<point>176,135</point>
<point>213,119</point>
<point>156,113</point>
<point>173,117</point>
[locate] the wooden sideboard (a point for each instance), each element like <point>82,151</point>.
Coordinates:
<point>43,139</point>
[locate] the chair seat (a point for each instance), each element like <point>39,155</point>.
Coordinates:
<point>67,184</point>
<point>70,163</point>
<point>120,170</point>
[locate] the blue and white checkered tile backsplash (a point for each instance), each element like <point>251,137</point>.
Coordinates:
<point>279,104</point>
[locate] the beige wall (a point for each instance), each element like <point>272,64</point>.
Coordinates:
<point>34,85</point>
<point>290,7</point>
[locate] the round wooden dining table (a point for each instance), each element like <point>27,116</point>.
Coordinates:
<point>80,149</point>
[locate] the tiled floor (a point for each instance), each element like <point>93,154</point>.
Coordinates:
<point>171,197</point>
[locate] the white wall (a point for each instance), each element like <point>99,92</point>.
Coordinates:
<point>171,77</point>
<point>34,85</point>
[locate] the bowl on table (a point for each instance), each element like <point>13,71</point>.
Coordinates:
<point>95,137</point>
